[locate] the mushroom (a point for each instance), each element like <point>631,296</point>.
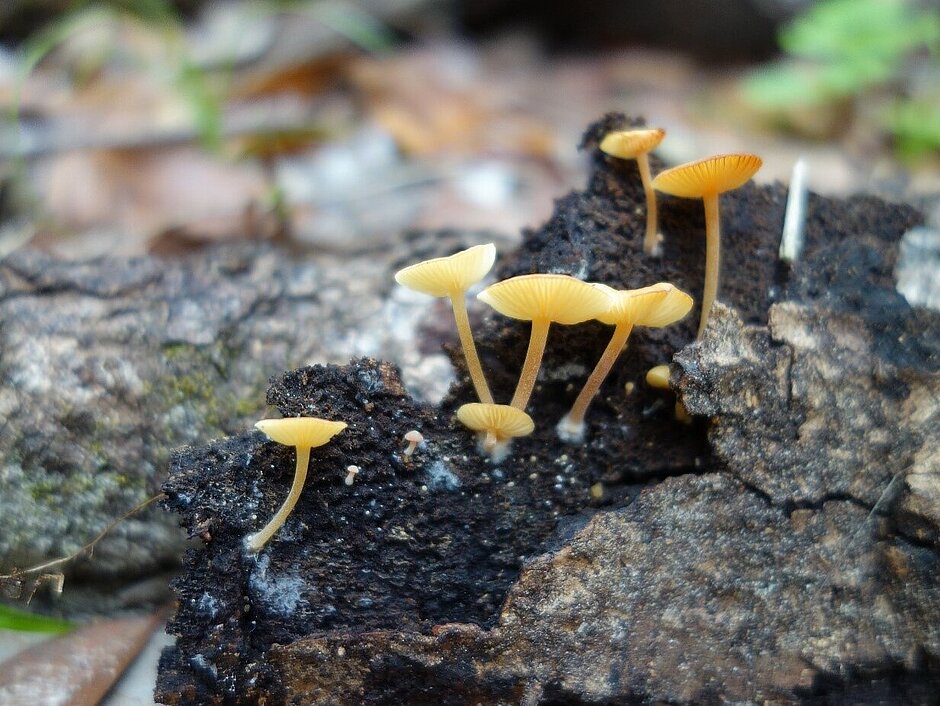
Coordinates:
<point>498,423</point>
<point>542,299</point>
<point>658,377</point>
<point>655,306</point>
<point>706,179</point>
<point>303,433</point>
<point>413,437</point>
<point>451,277</point>
<point>636,144</point>
<point>351,472</point>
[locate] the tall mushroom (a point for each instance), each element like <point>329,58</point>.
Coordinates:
<point>637,144</point>
<point>542,299</point>
<point>655,306</point>
<point>706,179</point>
<point>451,277</point>
<point>303,433</point>
<point>498,424</point>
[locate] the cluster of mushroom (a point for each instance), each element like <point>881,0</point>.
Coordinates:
<point>542,299</point>
<point>705,179</point>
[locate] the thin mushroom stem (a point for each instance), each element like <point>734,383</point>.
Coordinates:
<point>474,367</point>
<point>260,538</point>
<point>575,417</point>
<point>489,441</point>
<point>651,242</point>
<point>712,258</point>
<point>530,368</point>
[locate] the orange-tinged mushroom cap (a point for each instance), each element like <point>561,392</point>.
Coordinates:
<point>500,419</point>
<point>444,276</point>
<point>655,306</point>
<point>303,432</point>
<point>559,298</point>
<point>628,144</point>
<point>708,176</point>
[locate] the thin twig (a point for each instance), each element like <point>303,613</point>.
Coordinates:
<point>87,547</point>
<point>884,494</point>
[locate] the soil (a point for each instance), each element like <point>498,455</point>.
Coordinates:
<point>441,537</point>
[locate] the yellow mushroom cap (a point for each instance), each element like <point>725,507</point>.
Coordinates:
<point>708,176</point>
<point>502,420</point>
<point>559,298</point>
<point>629,144</point>
<point>655,306</point>
<point>444,276</point>
<point>658,377</point>
<point>304,432</point>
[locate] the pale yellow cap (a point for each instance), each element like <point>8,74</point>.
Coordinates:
<point>503,421</point>
<point>655,306</point>
<point>708,176</point>
<point>444,276</point>
<point>559,298</point>
<point>303,432</point>
<point>658,377</point>
<point>629,144</point>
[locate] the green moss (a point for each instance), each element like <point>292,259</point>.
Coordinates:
<point>196,381</point>
<point>248,406</point>
<point>43,490</point>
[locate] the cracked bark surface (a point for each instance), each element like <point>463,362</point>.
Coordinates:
<point>751,556</point>
<point>107,365</point>
<point>809,409</point>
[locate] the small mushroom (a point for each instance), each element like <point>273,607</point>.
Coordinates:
<point>542,299</point>
<point>303,433</point>
<point>498,424</point>
<point>451,277</point>
<point>706,179</point>
<point>637,144</point>
<point>658,377</point>
<point>413,437</point>
<point>351,473</point>
<point>656,306</point>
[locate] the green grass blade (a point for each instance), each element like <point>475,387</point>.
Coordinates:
<point>15,619</point>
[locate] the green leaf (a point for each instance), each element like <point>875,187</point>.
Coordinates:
<point>915,125</point>
<point>15,619</point>
<point>785,85</point>
<point>838,30</point>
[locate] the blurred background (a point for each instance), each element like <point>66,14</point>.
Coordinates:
<point>159,126</point>
<point>335,126</point>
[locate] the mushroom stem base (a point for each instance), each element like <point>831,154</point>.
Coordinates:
<point>618,342</point>
<point>570,431</point>
<point>259,539</point>
<point>497,449</point>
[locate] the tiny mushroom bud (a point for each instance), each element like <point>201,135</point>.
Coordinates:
<point>655,306</point>
<point>351,473</point>
<point>658,377</point>
<point>542,299</point>
<point>303,433</point>
<point>705,180</point>
<point>636,144</point>
<point>498,423</point>
<point>451,277</point>
<point>413,437</point>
